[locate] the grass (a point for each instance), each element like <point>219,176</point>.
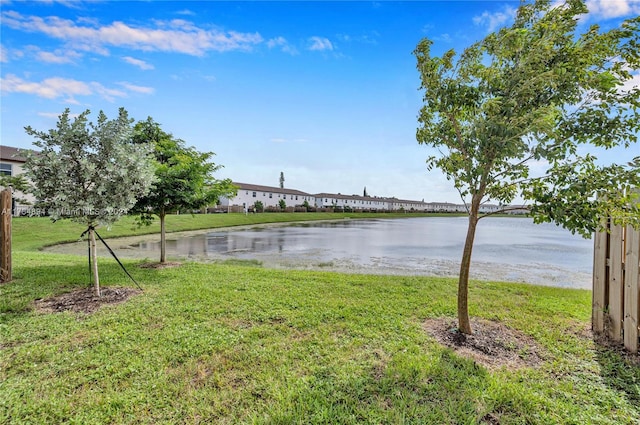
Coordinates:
<point>238,343</point>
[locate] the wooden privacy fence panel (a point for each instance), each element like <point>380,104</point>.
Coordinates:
<point>616,284</point>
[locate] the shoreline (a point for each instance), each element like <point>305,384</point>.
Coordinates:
<point>539,275</point>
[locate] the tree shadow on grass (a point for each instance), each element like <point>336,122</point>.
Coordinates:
<point>619,368</point>
<point>446,389</point>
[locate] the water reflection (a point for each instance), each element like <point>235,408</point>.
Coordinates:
<point>506,248</point>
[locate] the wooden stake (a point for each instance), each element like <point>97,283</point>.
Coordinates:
<point>5,236</point>
<point>94,261</point>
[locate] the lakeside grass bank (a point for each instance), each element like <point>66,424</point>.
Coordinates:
<point>237,343</point>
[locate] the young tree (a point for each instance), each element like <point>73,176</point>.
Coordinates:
<point>183,178</point>
<point>281,180</point>
<point>258,206</point>
<point>282,204</point>
<point>533,93</point>
<point>90,173</point>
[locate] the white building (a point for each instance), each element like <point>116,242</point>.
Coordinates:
<point>11,164</point>
<point>270,196</point>
<point>355,202</point>
<point>445,207</point>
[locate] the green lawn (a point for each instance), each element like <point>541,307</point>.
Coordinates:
<point>237,343</point>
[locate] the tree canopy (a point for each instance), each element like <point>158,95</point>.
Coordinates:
<point>183,177</point>
<point>88,172</point>
<point>533,94</point>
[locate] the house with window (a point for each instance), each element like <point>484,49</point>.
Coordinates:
<point>354,202</point>
<point>11,164</point>
<point>407,205</point>
<point>445,207</point>
<point>270,196</point>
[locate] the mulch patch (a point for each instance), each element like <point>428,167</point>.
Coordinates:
<point>85,300</point>
<point>492,344</point>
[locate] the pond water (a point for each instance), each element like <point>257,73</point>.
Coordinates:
<point>506,249</point>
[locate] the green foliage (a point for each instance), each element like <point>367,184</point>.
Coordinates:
<point>282,204</point>
<point>258,206</point>
<point>533,93</point>
<point>184,176</point>
<point>90,173</point>
<point>18,183</point>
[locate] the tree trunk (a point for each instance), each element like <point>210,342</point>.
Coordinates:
<point>163,242</point>
<point>464,324</point>
<point>94,261</point>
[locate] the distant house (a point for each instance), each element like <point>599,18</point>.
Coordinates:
<point>11,164</point>
<point>355,202</point>
<point>270,196</point>
<point>445,207</point>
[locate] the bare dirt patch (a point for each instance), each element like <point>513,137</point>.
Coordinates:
<point>492,345</point>
<point>158,266</point>
<point>85,300</point>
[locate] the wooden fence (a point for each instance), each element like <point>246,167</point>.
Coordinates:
<point>616,284</point>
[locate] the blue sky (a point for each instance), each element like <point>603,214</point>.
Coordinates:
<point>325,92</point>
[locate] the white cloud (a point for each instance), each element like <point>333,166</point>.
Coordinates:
<point>320,43</point>
<point>107,93</point>
<point>57,87</point>
<point>49,88</point>
<point>370,38</point>
<point>177,36</point>
<point>445,37</point>
<point>55,115</point>
<point>137,89</point>
<point>7,54</point>
<point>137,62</point>
<point>283,44</point>
<point>495,20</point>
<point>71,4</point>
<point>57,56</point>
<point>607,9</point>
<point>632,83</point>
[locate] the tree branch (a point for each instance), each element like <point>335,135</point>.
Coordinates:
<point>504,210</point>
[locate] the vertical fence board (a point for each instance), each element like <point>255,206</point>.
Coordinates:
<point>599,281</point>
<point>632,290</point>
<point>616,289</point>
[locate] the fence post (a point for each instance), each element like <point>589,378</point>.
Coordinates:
<point>632,289</point>
<point>5,236</point>
<point>616,300</point>
<point>600,253</point>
